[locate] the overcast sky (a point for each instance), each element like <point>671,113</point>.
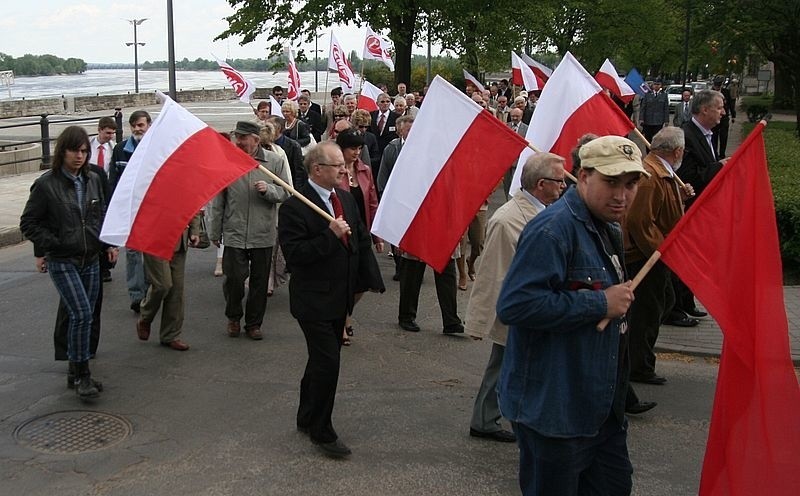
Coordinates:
<point>97,31</point>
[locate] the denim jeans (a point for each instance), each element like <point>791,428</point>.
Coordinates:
<point>78,288</point>
<point>579,466</point>
<point>134,271</point>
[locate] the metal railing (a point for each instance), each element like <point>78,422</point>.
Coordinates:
<point>45,140</point>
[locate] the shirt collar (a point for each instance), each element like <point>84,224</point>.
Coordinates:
<point>706,132</point>
<point>323,193</point>
<point>667,165</point>
<point>534,201</point>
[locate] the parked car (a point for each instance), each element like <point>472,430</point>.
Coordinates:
<point>674,92</point>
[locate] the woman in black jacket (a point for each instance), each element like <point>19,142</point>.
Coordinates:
<point>63,218</point>
<point>295,128</point>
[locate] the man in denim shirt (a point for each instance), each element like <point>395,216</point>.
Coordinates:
<point>563,381</point>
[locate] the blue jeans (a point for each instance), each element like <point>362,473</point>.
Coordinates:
<point>579,466</point>
<point>78,288</point>
<point>134,271</point>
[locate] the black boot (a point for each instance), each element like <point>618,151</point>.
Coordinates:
<point>84,385</point>
<point>71,379</point>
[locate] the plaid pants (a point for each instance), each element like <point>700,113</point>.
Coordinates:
<point>78,288</point>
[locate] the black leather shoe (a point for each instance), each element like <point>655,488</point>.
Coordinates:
<point>334,449</point>
<point>684,321</point>
<point>455,329</point>
<point>655,380</point>
<point>640,407</point>
<point>409,325</point>
<point>502,435</point>
<point>696,312</point>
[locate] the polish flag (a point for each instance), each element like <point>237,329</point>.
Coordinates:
<point>542,72</point>
<point>293,88</point>
<point>378,48</point>
<point>608,78</point>
<point>179,165</point>
<point>522,75</point>
<point>443,175</point>
<point>368,98</point>
<point>572,104</point>
<point>242,86</point>
<point>337,61</point>
<point>471,81</point>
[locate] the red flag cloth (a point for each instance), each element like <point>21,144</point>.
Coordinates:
<point>293,88</point>
<point>179,165</point>
<point>608,78</point>
<point>443,174</point>
<point>726,250</point>
<point>368,98</point>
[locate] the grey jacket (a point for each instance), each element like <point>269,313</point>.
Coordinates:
<point>654,109</point>
<point>245,218</point>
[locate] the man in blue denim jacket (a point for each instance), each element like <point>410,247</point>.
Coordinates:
<point>563,381</point>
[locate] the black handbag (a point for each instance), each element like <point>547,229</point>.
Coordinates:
<point>204,241</point>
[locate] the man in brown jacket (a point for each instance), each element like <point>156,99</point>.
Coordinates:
<point>657,208</point>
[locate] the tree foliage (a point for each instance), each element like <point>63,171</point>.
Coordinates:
<point>41,65</point>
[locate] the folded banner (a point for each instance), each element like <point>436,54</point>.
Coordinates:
<point>377,48</point>
<point>608,78</point>
<point>242,86</point>
<point>754,438</point>
<point>572,104</point>
<point>293,88</point>
<point>636,82</point>
<point>180,164</point>
<point>443,174</point>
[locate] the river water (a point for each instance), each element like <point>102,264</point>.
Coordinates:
<point>115,81</point>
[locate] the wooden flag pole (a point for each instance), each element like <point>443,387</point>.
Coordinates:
<point>294,192</point>
<point>601,326</point>
<point>647,144</point>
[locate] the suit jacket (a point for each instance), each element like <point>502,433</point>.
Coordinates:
<point>299,132</point>
<point>325,272</point>
<point>389,130</point>
<point>681,115</point>
<point>699,165</point>
<point>314,121</point>
<point>522,129</point>
<point>316,108</point>
<point>654,109</point>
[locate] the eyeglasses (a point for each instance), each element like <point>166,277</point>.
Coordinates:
<point>384,101</point>
<point>562,181</point>
<point>338,166</point>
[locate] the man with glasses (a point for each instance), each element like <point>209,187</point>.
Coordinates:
<point>383,125</point>
<point>326,259</point>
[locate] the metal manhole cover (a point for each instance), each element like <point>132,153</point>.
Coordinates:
<point>72,432</point>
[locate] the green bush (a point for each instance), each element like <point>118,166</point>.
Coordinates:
<point>783,155</point>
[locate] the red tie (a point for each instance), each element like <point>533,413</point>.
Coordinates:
<point>338,212</point>
<point>100,157</point>
<point>381,123</point>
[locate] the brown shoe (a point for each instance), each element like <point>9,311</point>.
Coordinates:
<point>176,345</point>
<point>143,329</point>
<point>254,333</point>
<point>234,328</point>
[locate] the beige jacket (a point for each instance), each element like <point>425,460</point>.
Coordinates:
<point>502,234</point>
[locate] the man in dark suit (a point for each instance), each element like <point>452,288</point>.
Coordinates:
<point>314,106</point>
<point>698,168</point>
<point>310,117</point>
<point>720,138</point>
<point>683,111</point>
<point>329,262</point>
<point>383,126</point>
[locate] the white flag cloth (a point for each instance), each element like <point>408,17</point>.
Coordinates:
<point>242,86</point>
<point>472,80</point>
<point>274,107</point>
<point>542,71</point>
<point>293,88</point>
<point>608,78</point>
<point>337,61</point>
<point>522,74</point>
<point>378,48</point>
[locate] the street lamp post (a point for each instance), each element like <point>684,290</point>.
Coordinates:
<point>136,45</point>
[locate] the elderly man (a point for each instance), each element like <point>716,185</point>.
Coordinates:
<point>563,383</point>
<point>658,206</point>
<point>311,117</point>
<point>542,183</point>
<point>328,261</point>
<point>521,103</point>
<point>502,111</point>
<point>683,111</point>
<point>244,215</point>
<point>350,103</point>
<point>383,125</point>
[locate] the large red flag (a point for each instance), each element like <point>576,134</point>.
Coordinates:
<point>179,165</point>
<point>726,250</point>
<point>368,98</point>
<point>443,174</point>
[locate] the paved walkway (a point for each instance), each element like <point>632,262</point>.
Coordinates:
<point>703,340</point>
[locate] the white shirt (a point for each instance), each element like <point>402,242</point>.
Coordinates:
<point>708,134</point>
<point>108,149</point>
<point>324,194</point>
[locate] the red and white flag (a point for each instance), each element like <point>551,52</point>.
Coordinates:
<point>242,86</point>
<point>541,71</point>
<point>443,174</point>
<point>293,88</point>
<point>522,75</point>
<point>378,48</point>
<point>472,81</point>
<point>179,165</point>
<point>753,442</point>
<point>337,61</point>
<point>572,104</point>
<point>608,78</point>
<point>368,98</point>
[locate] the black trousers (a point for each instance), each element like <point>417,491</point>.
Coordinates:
<point>650,130</point>
<point>719,140</point>
<point>321,377</point>
<point>62,321</point>
<point>411,274</point>
<point>653,298</point>
<point>239,264</point>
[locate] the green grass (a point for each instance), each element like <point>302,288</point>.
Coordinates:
<point>783,156</point>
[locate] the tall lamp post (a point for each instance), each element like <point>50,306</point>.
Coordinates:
<point>136,46</point>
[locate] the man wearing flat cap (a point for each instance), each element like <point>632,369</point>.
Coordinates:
<point>563,382</point>
<point>244,214</point>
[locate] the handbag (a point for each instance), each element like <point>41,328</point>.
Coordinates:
<point>204,241</point>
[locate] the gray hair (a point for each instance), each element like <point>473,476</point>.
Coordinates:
<point>317,155</point>
<point>290,105</point>
<point>703,98</point>
<point>668,139</point>
<point>539,166</point>
<point>403,119</point>
<point>400,98</point>
<point>349,97</point>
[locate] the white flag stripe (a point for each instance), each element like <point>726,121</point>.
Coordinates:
<point>528,77</point>
<point>426,144</point>
<point>173,126</point>
<point>532,63</point>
